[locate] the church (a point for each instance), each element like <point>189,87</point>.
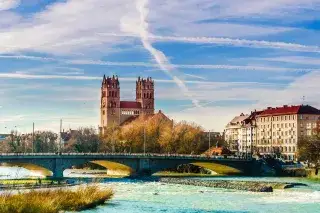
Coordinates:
<point>115,112</point>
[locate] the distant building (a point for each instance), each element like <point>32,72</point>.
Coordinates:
<point>114,111</point>
<point>240,133</point>
<point>273,130</point>
<point>3,137</point>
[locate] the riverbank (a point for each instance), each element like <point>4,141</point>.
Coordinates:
<point>55,201</point>
<point>17,184</point>
<point>253,186</point>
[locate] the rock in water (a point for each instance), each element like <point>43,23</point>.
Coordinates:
<point>266,189</point>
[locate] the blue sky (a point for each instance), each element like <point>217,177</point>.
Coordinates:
<point>211,59</point>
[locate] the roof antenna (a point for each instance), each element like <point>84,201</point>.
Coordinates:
<point>303,99</point>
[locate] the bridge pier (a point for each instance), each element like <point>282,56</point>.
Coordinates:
<point>58,168</point>
<point>143,168</point>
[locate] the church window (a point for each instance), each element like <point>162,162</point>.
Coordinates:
<point>109,93</point>
<point>103,112</point>
<point>116,95</point>
<point>144,95</point>
<point>112,93</point>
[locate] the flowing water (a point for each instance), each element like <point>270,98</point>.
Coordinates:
<point>154,197</point>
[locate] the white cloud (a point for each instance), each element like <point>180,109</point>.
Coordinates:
<point>216,117</point>
<point>294,60</point>
<point>160,57</point>
<point>8,4</point>
<point>241,43</point>
<point>228,42</point>
<point>67,28</point>
<point>75,27</point>
<point>30,76</point>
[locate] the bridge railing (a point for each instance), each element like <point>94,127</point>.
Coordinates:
<point>126,154</point>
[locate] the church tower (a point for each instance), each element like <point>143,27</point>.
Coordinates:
<point>110,102</point>
<point>145,95</point>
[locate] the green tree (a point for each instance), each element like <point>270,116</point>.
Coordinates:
<point>309,150</point>
<point>83,140</point>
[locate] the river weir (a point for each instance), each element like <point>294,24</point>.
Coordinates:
<point>253,186</point>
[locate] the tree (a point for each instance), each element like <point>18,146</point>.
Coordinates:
<point>83,140</point>
<point>45,142</point>
<point>309,150</point>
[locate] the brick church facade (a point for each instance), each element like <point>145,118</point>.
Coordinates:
<point>114,112</point>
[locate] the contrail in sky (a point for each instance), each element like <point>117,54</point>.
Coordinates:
<point>159,56</point>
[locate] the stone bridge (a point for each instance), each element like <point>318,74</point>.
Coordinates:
<point>51,164</point>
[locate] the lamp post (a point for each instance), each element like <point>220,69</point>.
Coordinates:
<point>209,139</point>
<point>33,137</point>
<point>144,138</point>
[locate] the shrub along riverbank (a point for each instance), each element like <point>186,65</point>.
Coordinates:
<point>54,201</point>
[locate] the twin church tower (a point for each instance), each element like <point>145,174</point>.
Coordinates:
<point>114,111</point>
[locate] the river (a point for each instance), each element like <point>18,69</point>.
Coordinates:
<point>132,196</point>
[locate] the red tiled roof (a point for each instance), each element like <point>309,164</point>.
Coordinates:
<point>130,104</point>
<point>290,110</point>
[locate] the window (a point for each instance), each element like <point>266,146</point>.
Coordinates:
<point>103,112</point>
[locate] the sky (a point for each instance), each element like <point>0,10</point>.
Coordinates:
<point>211,59</point>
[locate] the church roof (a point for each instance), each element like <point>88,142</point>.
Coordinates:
<point>130,104</point>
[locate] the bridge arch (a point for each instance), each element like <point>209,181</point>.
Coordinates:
<point>112,167</point>
<point>223,168</point>
<point>42,170</point>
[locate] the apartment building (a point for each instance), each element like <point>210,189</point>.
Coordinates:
<point>273,130</point>
<point>240,133</point>
<point>280,128</point>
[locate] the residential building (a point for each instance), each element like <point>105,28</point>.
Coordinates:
<point>241,132</point>
<point>280,128</point>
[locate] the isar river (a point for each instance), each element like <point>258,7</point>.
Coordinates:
<point>133,196</point>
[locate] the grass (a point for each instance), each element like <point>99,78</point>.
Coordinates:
<point>26,181</point>
<point>54,201</point>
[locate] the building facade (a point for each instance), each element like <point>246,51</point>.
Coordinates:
<point>280,128</point>
<point>240,133</point>
<point>113,111</point>
<point>273,131</point>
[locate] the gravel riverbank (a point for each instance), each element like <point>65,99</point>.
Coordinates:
<point>254,186</point>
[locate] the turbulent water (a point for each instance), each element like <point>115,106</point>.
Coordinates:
<point>139,197</point>
<point>154,197</point>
